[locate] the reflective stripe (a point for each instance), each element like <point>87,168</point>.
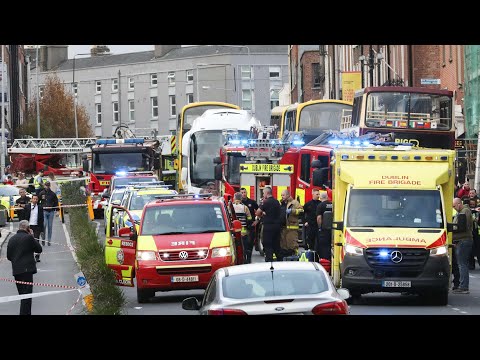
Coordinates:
<point>301,196</point>
<point>292,227</point>
<point>36,183</point>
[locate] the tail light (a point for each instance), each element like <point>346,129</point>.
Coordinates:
<point>332,308</point>
<point>226,312</point>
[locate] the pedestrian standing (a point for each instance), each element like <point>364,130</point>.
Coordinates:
<point>270,213</point>
<point>34,215</point>
<point>21,202</point>
<point>252,227</point>
<point>463,241</point>
<point>290,212</point>
<point>242,214</point>
<point>21,181</point>
<point>53,182</point>
<point>310,224</point>
<point>49,201</point>
<point>324,237</point>
<point>38,182</point>
<point>20,251</point>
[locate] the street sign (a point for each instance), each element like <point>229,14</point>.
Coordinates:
<point>459,144</point>
<point>430,81</point>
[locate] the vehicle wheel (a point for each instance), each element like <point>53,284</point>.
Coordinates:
<point>143,295</point>
<point>438,298</point>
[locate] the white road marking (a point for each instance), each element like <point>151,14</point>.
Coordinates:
<point>67,236</point>
<point>137,307</point>
<point>463,312</point>
<point>41,270</point>
<point>11,226</point>
<point>456,309</point>
<point>98,227</point>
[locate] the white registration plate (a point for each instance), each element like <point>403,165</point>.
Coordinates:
<point>402,284</point>
<point>192,278</point>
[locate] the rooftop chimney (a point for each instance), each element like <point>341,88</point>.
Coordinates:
<point>97,50</point>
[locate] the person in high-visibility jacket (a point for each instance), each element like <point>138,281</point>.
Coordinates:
<point>245,217</point>
<point>38,182</point>
<point>291,210</point>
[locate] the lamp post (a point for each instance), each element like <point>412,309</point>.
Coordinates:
<point>38,93</point>
<point>2,160</point>
<point>74,94</point>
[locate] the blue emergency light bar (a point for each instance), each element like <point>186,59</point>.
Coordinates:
<point>160,182</point>
<point>175,196</point>
<point>120,141</point>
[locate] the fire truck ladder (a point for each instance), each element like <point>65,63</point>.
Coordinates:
<point>264,146</point>
<point>51,146</point>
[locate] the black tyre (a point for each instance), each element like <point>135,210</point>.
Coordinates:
<point>143,295</point>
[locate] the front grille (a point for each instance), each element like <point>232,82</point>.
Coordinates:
<point>187,255</point>
<point>184,270</point>
<point>412,259</point>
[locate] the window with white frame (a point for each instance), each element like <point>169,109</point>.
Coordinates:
<point>75,89</point>
<point>98,87</point>
<point>274,98</point>
<point>154,104</point>
<point>131,83</point>
<point>246,100</point>
<point>114,85</point>
<point>115,111</point>
<point>131,110</point>
<point>41,90</point>
<point>189,98</point>
<point>153,80</point>
<point>98,113</point>
<point>189,76</point>
<point>246,72</point>
<point>171,79</point>
<point>173,106</point>
<point>274,72</point>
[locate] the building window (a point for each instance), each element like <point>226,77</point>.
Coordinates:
<point>114,85</point>
<point>98,87</point>
<point>98,113</point>
<point>41,90</point>
<point>154,103</point>
<point>189,76</point>
<point>246,100</point>
<point>173,106</point>
<point>316,75</point>
<point>131,110</point>
<point>153,80</point>
<point>131,83</point>
<point>246,72</point>
<point>274,98</point>
<point>115,111</point>
<point>171,79</point>
<point>189,98</point>
<point>274,72</point>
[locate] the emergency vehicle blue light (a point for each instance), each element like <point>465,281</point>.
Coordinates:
<point>106,141</point>
<point>298,142</point>
<point>366,143</point>
<point>383,253</point>
<point>196,196</point>
<point>345,157</point>
<point>371,157</point>
<point>417,157</point>
<point>251,142</point>
<point>347,142</point>
<point>336,142</point>
<point>394,157</point>
<point>356,143</point>
<point>235,142</point>
<point>272,142</point>
<point>134,141</point>
<point>244,142</point>
<point>443,157</point>
<point>121,173</point>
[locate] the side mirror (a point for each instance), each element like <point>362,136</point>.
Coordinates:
<point>190,303</point>
<point>156,163</point>
<point>217,160</point>
<point>85,165</point>
<point>106,195</point>
<point>327,220</point>
<point>218,172</point>
<point>237,225</point>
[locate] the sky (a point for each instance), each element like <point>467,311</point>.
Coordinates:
<point>114,49</point>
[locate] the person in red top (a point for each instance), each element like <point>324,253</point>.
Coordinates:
<point>9,180</point>
<point>464,190</point>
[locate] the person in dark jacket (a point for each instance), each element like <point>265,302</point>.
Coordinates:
<point>21,202</point>
<point>20,251</point>
<point>49,200</point>
<point>34,215</point>
<point>310,224</point>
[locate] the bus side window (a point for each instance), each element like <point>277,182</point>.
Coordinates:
<point>357,110</point>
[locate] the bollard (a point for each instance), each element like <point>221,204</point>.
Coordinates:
<point>90,208</point>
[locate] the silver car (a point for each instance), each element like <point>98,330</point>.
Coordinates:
<point>268,288</point>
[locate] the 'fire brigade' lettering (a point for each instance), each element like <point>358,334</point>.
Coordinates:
<point>182,243</point>
<point>397,238</point>
<point>266,167</point>
<point>395,180</point>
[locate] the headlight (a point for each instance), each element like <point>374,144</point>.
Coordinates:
<point>439,251</point>
<point>146,255</point>
<point>221,252</point>
<point>353,250</point>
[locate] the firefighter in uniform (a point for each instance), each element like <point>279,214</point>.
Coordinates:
<point>38,182</point>
<point>243,215</point>
<point>291,211</point>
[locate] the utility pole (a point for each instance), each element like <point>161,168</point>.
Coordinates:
<point>120,100</point>
<point>371,65</point>
<point>2,162</point>
<point>38,94</point>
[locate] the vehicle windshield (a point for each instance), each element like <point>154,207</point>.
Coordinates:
<point>232,171</point>
<point>395,208</point>
<point>136,179</point>
<point>110,163</point>
<point>183,219</point>
<point>277,283</point>
<point>8,190</point>
<point>409,110</point>
<point>204,147</point>
<point>138,201</point>
<point>323,116</point>
<point>192,113</point>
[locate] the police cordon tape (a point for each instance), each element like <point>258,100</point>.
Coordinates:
<point>74,304</point>
<point>39,284</point>
<point>52,207</point>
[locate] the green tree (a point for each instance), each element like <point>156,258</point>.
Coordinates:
<point>57,119</point>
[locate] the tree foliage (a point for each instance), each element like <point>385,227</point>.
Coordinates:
<point>57,119</point>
